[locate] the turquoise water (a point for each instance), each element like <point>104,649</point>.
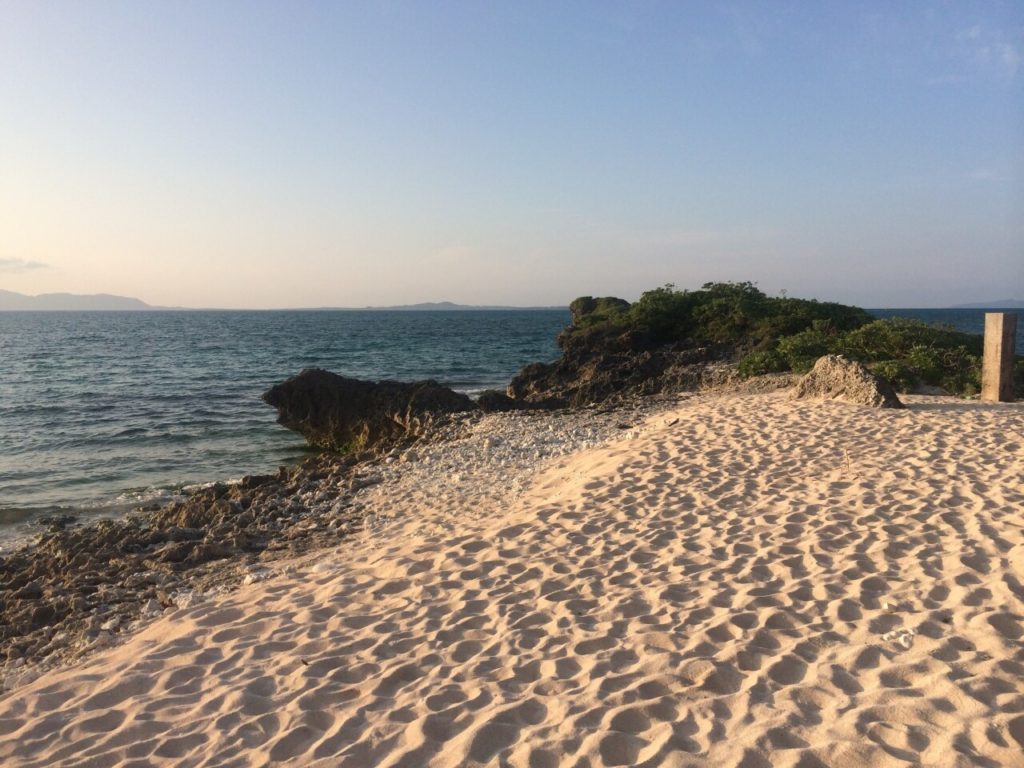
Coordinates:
<point>102,411</point>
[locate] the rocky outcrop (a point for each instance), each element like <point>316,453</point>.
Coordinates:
<point>354,416</point>
<point>496,401</point>
<point>580,378</point>
<point>78,586</point>
<point>836,378</point>
<point>604,361</point>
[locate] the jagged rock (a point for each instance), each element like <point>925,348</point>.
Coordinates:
<point>493,400</point>
<point>836,378</point>
<point>583,376</point>
<point>71,576</point>
<point>602,359</point>
<point>177,552</point>
<point>350,415</point>
<point>56,522</point>
<point>30,591</point>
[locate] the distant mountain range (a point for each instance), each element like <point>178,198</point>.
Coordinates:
<point>11,301</point>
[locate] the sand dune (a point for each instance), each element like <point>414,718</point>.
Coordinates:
<point>744,581</point>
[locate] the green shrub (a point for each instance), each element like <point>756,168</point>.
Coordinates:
<point>959,371</point>
<point>926,354</point>
<point>730,311</point>
<point>894,338</point>
<point>773,334</point>
<point>587,311</point>
<point>896,373</point>
<point>735,313</point>
<point>758,363</point>
<point>665,313</point>
<point>801,350</point>
<point>788,316</point>
<point>925,362</point>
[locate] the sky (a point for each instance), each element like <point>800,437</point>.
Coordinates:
<point>302,154</point>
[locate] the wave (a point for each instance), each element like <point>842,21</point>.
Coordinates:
<point>97,404</point>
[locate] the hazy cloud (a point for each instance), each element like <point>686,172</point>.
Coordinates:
<point>686,238</point>
<point>992,51</point>
<point>947,80</point>
<point>986,174</point>
<point>20,265</point>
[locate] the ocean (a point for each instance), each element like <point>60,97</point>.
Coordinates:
<point>101,412</point>
<point>966,320</point>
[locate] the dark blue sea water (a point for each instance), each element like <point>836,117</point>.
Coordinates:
<point>966,320</point>
<point>103,411</point>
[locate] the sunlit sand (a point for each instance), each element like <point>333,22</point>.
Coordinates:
<point>741,581</point>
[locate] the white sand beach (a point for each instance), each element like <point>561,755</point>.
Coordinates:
<point>743,580</point>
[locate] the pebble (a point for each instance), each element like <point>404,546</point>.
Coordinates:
<point>103,639</point>
<point>257,574</point>
<point>186,599</point>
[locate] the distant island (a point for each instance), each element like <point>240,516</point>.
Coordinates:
<point>71,302</point>
<point>49,302</point>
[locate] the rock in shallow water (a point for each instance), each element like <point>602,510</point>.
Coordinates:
<point>350,415</point>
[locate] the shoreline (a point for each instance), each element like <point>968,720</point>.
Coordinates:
<point>328,499</point>
<point>736,580</point>
<point>36,519</point>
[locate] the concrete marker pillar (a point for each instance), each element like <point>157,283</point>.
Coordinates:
<point>997,364</point>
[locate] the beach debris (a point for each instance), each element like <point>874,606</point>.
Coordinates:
<point>904,636</point>
<point>256,573</point>
<point>834,377</point>
<point>849,465</point>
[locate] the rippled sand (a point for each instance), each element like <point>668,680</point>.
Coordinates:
<point>744,581</point>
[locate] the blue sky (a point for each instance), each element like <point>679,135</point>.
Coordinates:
<point>246,154</point>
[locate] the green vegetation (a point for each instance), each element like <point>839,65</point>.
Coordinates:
<point>735,313</point>
<point>768,334</point>
<point>910,352</point>
<point>604,312</point>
